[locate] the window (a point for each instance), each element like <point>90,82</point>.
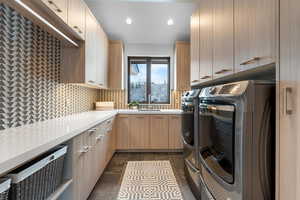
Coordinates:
<point>149,80</point>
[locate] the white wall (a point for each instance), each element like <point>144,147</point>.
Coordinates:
<point>155,50</point>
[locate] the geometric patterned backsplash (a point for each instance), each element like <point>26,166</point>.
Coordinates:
<point>30,88</point>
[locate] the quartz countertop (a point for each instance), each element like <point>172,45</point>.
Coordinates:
<point>20,145</point>
<point>151,112</point>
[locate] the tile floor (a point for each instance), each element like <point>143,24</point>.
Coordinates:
<point>109,184</point>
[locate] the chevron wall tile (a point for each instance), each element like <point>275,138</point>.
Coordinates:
<point>30,88</point>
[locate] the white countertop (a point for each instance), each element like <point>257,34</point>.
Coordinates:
<point>149,112</point>
<point>20,145</point>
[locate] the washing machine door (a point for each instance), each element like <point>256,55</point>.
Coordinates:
<point>188,123</point>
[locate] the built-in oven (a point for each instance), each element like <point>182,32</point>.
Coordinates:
<point>217,142</point>
<point>236,140</point>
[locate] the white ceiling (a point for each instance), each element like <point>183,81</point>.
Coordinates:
<point>149,19</point>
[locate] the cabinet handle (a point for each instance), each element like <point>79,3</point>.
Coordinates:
<point>99,137</point>
<point>90,81</point>
<point>78,29</point>
<point>91,131</point>
<point>223,71</point>
<point>250,61</point>
<point>205,77</point>
<point>85,149</point>
<point>195,81</point>
<point>56,8</point>
<point>287,101</point>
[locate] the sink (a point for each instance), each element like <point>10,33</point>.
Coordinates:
<point>149,110</point>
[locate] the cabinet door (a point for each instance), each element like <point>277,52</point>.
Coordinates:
<point>288,181</point>
<point>81,173</point>
<point>123,132</point>
<point>77,165</point>
<point>102,57</point>
<point>195,42</point>
<point>206,40</point>
<point>59,7</point>
<point>159,132</point>
<point>139,132</point>
<point>115,65</point>
<point>91,49</point>
<point>76,17</point>
<point>183,65</point>
<point>175,141</point>
<point>223,63</point>
<point>255,33</point>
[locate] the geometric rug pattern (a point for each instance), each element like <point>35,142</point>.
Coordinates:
<point>149,180</point>
<point>30,62</point>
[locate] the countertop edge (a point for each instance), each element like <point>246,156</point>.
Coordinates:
<point>26,156</point>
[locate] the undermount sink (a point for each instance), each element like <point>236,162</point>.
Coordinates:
<point>149,110</point>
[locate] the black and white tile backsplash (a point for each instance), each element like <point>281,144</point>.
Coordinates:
<point>29,75</point>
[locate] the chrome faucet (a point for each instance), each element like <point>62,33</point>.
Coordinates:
<point>149,99</point>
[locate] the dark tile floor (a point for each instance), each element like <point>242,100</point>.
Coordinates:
<point>109,184</point>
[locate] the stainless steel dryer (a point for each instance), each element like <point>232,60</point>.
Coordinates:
<point>237,141</point>
<point>189,105</point>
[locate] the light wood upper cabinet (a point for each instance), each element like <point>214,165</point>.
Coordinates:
<point>223,40</point>
<point>123,132</point>
<point>206,40</point>
<point>182,65</point>
<point>159,134</point>
<point>255,33</point>
<point>175,141</point>
<point>91,49</point>
<point>288,137</point>
<point>102,57</point>
<point>195,53</point>
<point>59,7</point>
<point>76,17</point>
<point>88,63</point>
<point>115,64</point>
<point>139,131</point>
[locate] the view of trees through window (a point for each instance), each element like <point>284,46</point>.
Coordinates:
<point>149,80</point>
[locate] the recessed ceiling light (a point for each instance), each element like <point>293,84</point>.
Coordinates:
<point>170,22</point>
<point>128,20</point>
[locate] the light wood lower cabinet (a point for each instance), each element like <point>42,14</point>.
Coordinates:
<point>92,150</point>
<point>146,132</point>
<point>123,132</point>
<point>175,141</point>
<point>159,132</point>
<point>139,132</point>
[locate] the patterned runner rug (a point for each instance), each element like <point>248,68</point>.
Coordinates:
<point>149,180</point>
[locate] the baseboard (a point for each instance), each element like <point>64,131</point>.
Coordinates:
<point>150,150</point>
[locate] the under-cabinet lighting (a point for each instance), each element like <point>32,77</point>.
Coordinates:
<point>45,21</point>
<point>128,21</point>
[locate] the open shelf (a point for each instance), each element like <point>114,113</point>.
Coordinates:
<point>60,189</point>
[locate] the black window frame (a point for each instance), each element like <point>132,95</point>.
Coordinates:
<point>148,77</point>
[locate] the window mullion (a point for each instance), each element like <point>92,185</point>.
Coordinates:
<point>148,78</point>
